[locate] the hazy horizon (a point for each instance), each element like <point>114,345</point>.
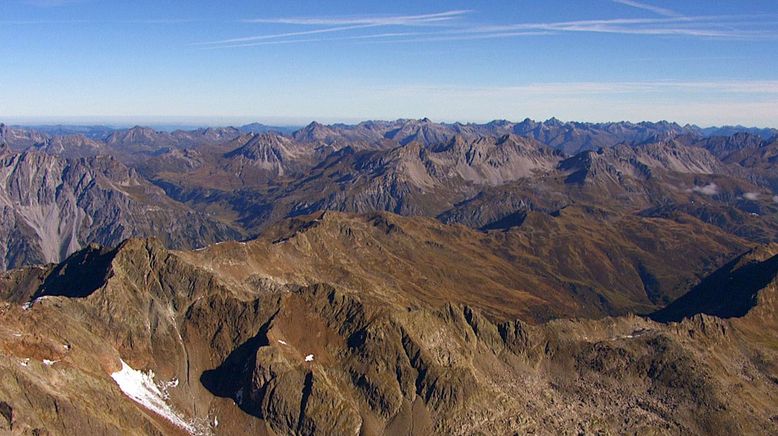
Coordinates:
<point>596,61</point>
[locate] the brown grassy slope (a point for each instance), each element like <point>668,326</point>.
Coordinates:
<point>555,266</point>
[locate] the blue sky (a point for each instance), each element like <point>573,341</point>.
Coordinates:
<point>228,62</point>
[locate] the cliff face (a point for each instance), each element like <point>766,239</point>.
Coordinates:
<point>51,207</point>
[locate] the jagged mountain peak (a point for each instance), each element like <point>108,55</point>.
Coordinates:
<point>256,145</point>
<point>316,132</point>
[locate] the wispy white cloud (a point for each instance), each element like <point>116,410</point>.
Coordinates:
<point>753,196</point>
<point>729,27</point>
<point>391,20</point>
<point>233,41</point>
<point>740,27</point>
<point>341,24</point>
<point>258,43</point>
<point>647,7</point>
<point>377,38</point>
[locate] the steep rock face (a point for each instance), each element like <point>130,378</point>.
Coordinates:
<point>416,179</point>
<point>492,161</point>
<point>729,148</point>
<point>52,207</point>
<point>619,163</point>
<point>71,146</point>
<point>423,131</point>
<point>19,139</point>
<point>673,156</point>
<point>267,154</point>
<point>139,140</point>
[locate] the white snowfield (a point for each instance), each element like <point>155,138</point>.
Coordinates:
<point>141,388</point>
<point>309,358</point>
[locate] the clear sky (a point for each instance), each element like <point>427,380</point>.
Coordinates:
<point>227,62</point>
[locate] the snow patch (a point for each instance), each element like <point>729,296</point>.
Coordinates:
<point>775,198</point>
<point>309,358</point>
<point>48,362</point>
<point>753,196</point>
<point>282,342</point>
<point>140,387</point>
<point>24,362</point>
<point>28,305</point>
<point>164,386</point>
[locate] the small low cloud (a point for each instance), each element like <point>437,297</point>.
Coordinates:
<point>753,196</point>
<point>775,198</point>
<point>709,189</point>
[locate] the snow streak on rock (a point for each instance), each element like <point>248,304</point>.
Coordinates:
<point>141,388</point>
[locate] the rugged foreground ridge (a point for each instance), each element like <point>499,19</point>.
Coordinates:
<point>281,336</point>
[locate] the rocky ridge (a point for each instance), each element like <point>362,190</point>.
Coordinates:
<point>272,356</point>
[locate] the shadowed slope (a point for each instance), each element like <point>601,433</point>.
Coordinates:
<point>731,291</point>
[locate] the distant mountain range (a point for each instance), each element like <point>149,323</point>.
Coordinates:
<point>483,175</point>
<point>552,131</point>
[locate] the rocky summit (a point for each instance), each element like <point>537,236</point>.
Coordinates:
<point>389,277</point>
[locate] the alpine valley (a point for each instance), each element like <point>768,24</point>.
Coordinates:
<point>389,277</point>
